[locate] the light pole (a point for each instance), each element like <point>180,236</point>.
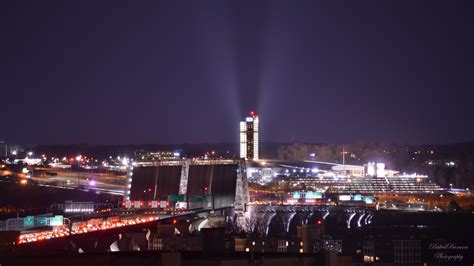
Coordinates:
<point>78,160</point>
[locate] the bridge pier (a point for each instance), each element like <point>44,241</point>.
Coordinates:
<point>287,219</point>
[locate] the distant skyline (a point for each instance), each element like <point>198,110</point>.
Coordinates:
<point>189,71</point>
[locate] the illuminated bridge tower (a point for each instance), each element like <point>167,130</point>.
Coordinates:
<point>249,137</point>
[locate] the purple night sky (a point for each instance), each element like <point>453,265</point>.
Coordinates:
<point>187,71</point>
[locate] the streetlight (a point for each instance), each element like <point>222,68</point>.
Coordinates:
<point>78,159</point>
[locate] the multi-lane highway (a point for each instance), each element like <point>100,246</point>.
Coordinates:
<point>89,183</point>
<point>96,224</point>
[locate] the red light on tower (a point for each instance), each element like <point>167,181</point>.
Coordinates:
<point>252,113</point>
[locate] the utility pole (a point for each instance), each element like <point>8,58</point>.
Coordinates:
<point>344,159</point>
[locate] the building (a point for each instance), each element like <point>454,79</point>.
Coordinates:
<point>207,240</point>
<point>333,178</point>
<point>175,243</point>
<point>8,241</point>
<point>179,258</point>
<point>268,244</point>
<point>327,244</point>
<point>310,235</point>
<point>249,142</point>
<point>374,169</point>
<point>407,252</point>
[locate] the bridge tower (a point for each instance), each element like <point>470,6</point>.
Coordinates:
<point>242,196</point>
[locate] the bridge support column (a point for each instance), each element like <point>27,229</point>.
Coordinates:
<point>128,183</point>
<point>241,188</point>
<point>183,181</point>
<point>287,220</point>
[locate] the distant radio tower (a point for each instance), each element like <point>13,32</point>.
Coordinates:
<point>343,159</point>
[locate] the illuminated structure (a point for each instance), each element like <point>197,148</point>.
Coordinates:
<point>333,178</point>
<point>249,137</point>
<point>374,169</point>
<point>225,182</point>
<point>144,156</point>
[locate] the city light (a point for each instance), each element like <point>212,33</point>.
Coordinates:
<point>120,142</point>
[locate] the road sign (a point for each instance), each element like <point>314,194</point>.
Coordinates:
<point>56,220</point>
<point>163,204</point>
<point>154,204</point>
<point>29,221</point>
<point>41,221</point>
<point>198,198</point>
<point>176,197</point>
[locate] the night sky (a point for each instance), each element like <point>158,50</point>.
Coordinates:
<point>136,72</point>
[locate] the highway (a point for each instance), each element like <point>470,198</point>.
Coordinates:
<point>93,225</point>
<point>106,183</point>
<point>64,181</point>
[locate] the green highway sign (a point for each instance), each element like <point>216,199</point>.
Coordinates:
<point>41,221</point>
<point>175,197</point>
<point>29,221</point>
<point>56,220</point>
<point>198,198</point>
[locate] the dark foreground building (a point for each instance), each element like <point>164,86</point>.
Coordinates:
<point>150,258</point>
